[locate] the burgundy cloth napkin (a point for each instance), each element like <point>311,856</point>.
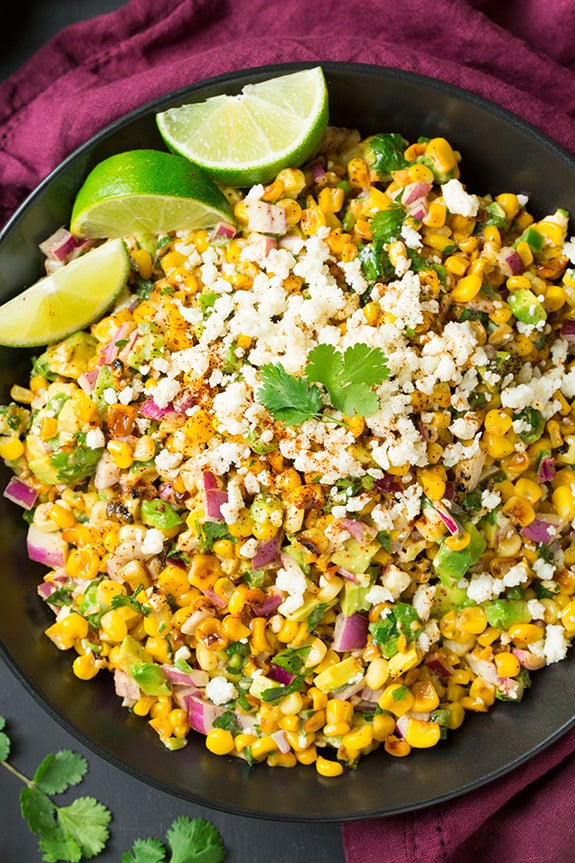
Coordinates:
<point>518,53</point>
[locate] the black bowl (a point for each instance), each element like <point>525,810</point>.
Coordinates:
<point>500,153</point>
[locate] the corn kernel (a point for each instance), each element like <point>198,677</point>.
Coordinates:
<point>84,666</point>
<point>507,664</point>
<point>11,448</point>
<point>466,288</point>
<point>358,738</point>
<point>220,741</point>
<point>328,768</point>
<point>396,699</point>
<point>497,446</point>
<point>421,734</point>
<point>523,634</point>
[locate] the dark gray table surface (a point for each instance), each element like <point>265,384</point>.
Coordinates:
<point>138,810</point>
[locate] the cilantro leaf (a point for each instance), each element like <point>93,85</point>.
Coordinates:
<point>348,376</point>
<point>4,741</point>
<point>288,398</point>
<point>385,225</point>
<point>145,851</point>
<point>86,821</point>
<point>195,840</point>
<point>59,770</point>
<point>210,531</point>
<point>58,846</point>
<point>387,153</point>
<point>38,811</point>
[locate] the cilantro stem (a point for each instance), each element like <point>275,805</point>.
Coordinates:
<point>17,773</point>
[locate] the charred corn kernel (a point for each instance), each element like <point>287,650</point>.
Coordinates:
<point>292,209</point>
<point>258,639</point>
<point>467,288</point>
<point>358,738</point>
<point>497,422</point>
<point>173,580</point>
<point>273,191</point>
<point>518,283</point>
<point>338,710</point>
<point>397,253</point>
<point>491,234</point>
<point>293,181</point>
<point>555,298</point>
<point>143,705</point>
<point>519,510</point>
<point>349,252</point>
<point>568,617</point>
<point>421,734</point>
<point>456,715</point>
<point>83,563</point>
<point>425,697</point>
<point>242,527</point>
<point>328,768</point>
<point>528,489</point>
<point>142,260</point>
<point>84,666</point>
<point>207,659</point>
<point>377,673</point>
<point>383,725</point>
<point>433,484</point>
<point>564,502</point>
<point>237,600</point>
<point>525,253</point>
<point>472,620</point>
<point>458,541</point>
<point>456,265</point>
<point>510,203</point>
<point>403,661</point>
<point>358,173</point>
<point>113,626</point>
<point>74,626</point>
<point>144,449</point>
<point>523,634</point>
<point>121,453</point>
<point>262,747</point>
<point>396,746</point>
<point>314,722</point>
<point>396,698</point>
<point>220,741</point>
<point>331,199</point>
<point>318,698</point>
<point>11,448</point>
<point>372,313</point>
<point>107,590</point>
<point>234,629</point>
<point>483,691</point>
<point>501,313</point>
<point>441,153</point>
<point>497,446</point>
<point>204,571</point>
<point>507,664</point>
<point>553,231</point>
<point>436,215</point>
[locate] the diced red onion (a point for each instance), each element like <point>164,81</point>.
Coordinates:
<point>19,492</point>
<point>267,552</point>
<point>125,686</point>
<point>201,714</point>
<point>107,472</point>
<point>388,484</point>
<point>528,660</point>
<point>546,470</point>
<point>281,741</point>
<point>539,530</point>
<point>448,520</point>
<point>568,329</point>
<point>46,589</point>
<point>401,725</point>
<point>350,632</point>
<point>59,245</point>
<point>419,209</point>
<point>184,402</point>
<point>436,664</point>
<point>360,531</point>
<point>318,171</point>
<point>215,598</point>
<point>196,677</point>
<point>351,689</point>
<point>111,349</point>
<point>345,573</point>
<point>87,380</point>
<point>47,548</point>
<point>222,232</point>
<point>270,604</point>
<point>192,622</point>
<point>279,674</point>
<point>214,496</point>
<point>510,688</point>
<point>414,191</point>
<point>482,668</point>
<point>152,411</point>
<point>291,243</point>
<point>510,261</point>
<point>266,218</point>
<point>369,697</point>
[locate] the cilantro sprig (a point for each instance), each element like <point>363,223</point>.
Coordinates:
<point>189,840</point>
<point>347,377</point>
<point>70,833</point>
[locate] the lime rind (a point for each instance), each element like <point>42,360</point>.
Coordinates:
<point>248,138</point>
<point>146,192</point>
<point>68,300</point>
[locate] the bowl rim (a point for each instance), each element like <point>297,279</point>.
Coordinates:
<point>230,79</point>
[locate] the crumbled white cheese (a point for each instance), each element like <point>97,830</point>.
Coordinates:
<point>457,200</point>
<point>220,690</point>
<point>153,541</point>
<point>95,438</point>
<point>556,644</point>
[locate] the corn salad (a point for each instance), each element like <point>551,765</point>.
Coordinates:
<point>306,561</point>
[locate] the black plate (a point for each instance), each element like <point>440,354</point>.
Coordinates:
<point>500,153</point>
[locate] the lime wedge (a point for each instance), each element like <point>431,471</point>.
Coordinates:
<point>248,138</point>
<point>68,300</point>
<point>146,192</point>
